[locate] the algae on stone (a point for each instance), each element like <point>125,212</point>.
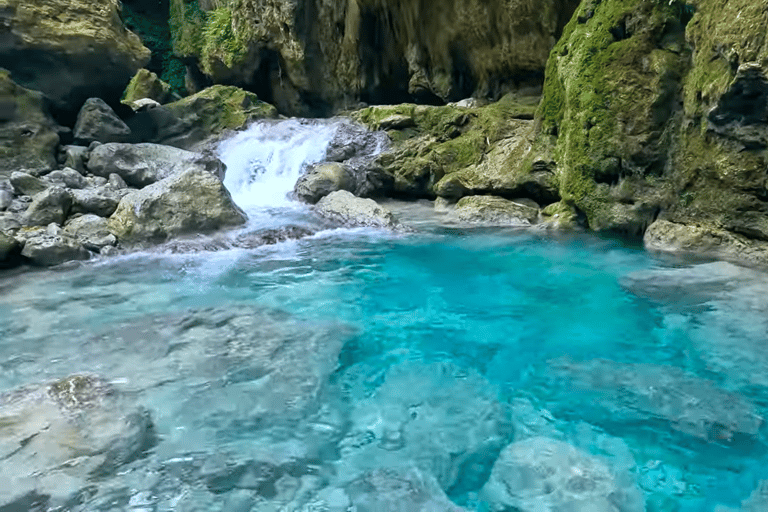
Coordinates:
<point>146,84</point>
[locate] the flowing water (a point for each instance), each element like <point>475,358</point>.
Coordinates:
<point>361,370</point>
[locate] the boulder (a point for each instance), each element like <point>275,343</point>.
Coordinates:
<point>68,178</point>
<point>545,474</point>
<point>146,85</point>
<point>49,427</point>
<point>24,184</point>
<point>91,231</point>
<point>46,248</point>
<point>6,198</point>
<point>192,201</point>
<point>101,201</point>
<point>71,50</point>
<point>192,121</point>
<point>346,209</point>
<point>493,211</point>
<point>98,122</point>
<point>74,157</point>
<point>28,135</point>
<point>50,205</point>
<point>320,180</point>
<point>9,250</point>
<point>140,165</point>
<point>116,182</point>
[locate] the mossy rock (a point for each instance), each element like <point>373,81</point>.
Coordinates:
<point>146,84</point>
<point>28,136</point>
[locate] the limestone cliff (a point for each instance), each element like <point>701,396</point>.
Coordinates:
<point>315,56</point>
<point>659,110</point>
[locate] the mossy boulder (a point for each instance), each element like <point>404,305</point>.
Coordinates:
<point>28,136</point>
<point>199,118</point>
<point>146,84</point>
<point>71,50</point>
<point>494,211</point>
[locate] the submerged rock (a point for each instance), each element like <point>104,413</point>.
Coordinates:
<point>548,475</point>
<point>98,122</point>
<point>60,437</point>
<point>143,164</point>
<point>493,211</point>
<point>346,209</point>
<point>191,201</point>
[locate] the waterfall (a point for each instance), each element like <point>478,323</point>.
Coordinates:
<point>264,161</point>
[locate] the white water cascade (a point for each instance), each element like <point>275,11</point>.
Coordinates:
<point>265,161</point>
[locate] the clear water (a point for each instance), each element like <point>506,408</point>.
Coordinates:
<point>431,350</point>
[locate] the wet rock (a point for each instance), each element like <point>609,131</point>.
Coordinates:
<point>9,250</point>
<point>609,393</point>
<point>24,184</point>
<point>98,122</point>
<point>192,201</point>
<point>68,178</point>
<point>320,180</point>
<point>545,474</point>
<point>100,201</point>
<point>50,205</point>
<point>346,209</point>
<point>91,231</point>
<point>447,422</point>
<point>245,241</point>
<point>28,135</point>
<point>71,50</point>
<point>74,157</point>
<point>60,437</point>
<point>493,211</point>
<point>758,500</point>
<point>140,165</point>
<point>353,140</point>
<point>46,249</point>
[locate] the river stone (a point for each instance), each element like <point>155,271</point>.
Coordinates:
<point>6,198</point>
<point>60,437</point>
<point>146,85</point>
<point>46,249</point>
<point>98,122</point>
<point>346,209</point>
<point>24,184</point>
<point>101,201</point>
<point>74,157</point>
<point>9,248</point>
<point>91,231</point>
<point>68,178</point>
<point>549,475</point>
<point>143,164</point>
<point>9,222</point>
<point>116,182</point>
<point>50,205</point>
<point>320,180</point>
<point>493,211</point>
<point>193,201</point>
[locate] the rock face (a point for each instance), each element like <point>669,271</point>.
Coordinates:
<point>545,474</point>
<point>97,122</point>
<point>193,201</point>
<point>46,427</point>
<point>143,164</point>
<point>313,56</point>
<point>346,209</point>
<point>28,137</point>
<point>71,50</point>
<point>691,149</point>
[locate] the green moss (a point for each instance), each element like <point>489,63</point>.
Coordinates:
<point>187,23</point>
<point>220,42</point>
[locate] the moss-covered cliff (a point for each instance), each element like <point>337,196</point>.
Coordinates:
<point>315,56</point>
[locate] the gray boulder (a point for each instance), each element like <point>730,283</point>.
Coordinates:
<point>101,201</point>
<point>116,182</point>
<point>320,180</point>
<point>10,222</point>
<point>74,157</point>
<point>49,247</point>
<point>545,474</point>
<point>24,184</point>
<point>6,198</point>
<point>493,211</point>
<point>98,122</point>
<point>68,178</point>
<point>50,205</point>
<point>56,437</point>
<point>143,164</point>
<point>346,209</point>
<point>194,201</point>
<point>91,231</point>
